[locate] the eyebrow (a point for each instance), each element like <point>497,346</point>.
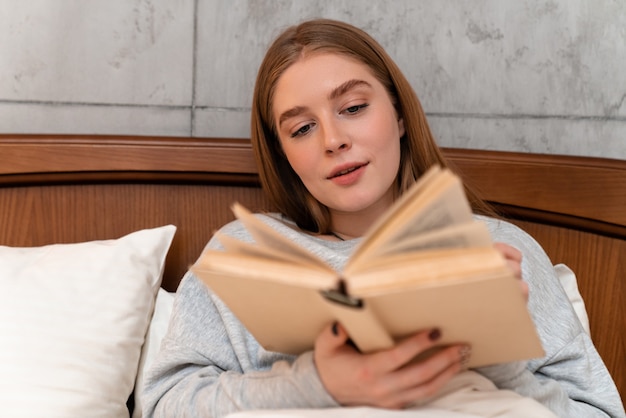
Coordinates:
<point>336,92</point>
<point>294,111</point>
<point>346,87</point>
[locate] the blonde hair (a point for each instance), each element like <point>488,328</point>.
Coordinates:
<point>282,185</point>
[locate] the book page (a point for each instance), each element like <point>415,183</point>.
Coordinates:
<point>401,271</point>
<point>437,201</point>
<point>439,209</point>
<point>400,204</point>
<point>235,246</point>
<point>264,269</point>
<point>265,235</point>
<point>465,235</point>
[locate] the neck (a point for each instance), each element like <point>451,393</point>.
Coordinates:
<point>354,223</point>
<point>346,226</point>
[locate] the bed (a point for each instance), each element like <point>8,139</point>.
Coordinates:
<point>80,191</point>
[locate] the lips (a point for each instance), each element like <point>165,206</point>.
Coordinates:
<point>342,171</point>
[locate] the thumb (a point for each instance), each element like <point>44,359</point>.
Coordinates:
<point>331,338</point>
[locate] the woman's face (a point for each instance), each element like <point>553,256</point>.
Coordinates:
<point>340,132</point>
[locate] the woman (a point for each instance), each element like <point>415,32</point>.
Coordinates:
<point>338,135</point>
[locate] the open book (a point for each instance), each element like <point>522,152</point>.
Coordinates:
<point>426,263</point>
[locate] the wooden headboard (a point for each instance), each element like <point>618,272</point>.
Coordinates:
<point>56,189</point>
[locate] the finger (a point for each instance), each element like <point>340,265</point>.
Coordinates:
<point>512,256</point>
<point>419,373</point>
<point>515,267</point>
<point>419,381</point>
<point>331,338</point>
<point>508,251</point>
<point>424,392</point>
<point>405,351</point>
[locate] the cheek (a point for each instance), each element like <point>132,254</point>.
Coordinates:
<point>300,161</point>
<point>384,136</point>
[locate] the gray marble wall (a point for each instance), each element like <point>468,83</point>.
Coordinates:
<point>532,76</point>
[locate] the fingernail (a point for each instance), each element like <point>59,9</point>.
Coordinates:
<point>335,329</point>
<point>434,335</point>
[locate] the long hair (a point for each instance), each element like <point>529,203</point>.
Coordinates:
<point>282,185</point>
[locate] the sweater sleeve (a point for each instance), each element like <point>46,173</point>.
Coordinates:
<point>571,379</point>
<point>210,366</point>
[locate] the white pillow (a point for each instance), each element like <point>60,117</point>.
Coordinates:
<point>156,332</point>
<point>72,322</point>
<point>570,284</point>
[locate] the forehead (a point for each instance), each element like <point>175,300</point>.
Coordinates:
<point>315,75</point>
<point>322,69</point>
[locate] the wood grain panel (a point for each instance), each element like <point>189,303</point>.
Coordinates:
<point>58,154</point>
<point>33,216</point>
<point>589,188</point>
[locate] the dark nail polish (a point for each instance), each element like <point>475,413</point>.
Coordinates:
<point>335,329</point>
<point>434,335</point>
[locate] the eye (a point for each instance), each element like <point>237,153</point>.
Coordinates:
<point>355,109</point>
<point>302,131</point>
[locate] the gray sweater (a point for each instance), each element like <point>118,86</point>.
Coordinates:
<point>209,365</point>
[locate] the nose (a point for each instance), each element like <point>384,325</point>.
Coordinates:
<point>335,139</point>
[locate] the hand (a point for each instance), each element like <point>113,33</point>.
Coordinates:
<point>513,257</point>
<point>387,378</point>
